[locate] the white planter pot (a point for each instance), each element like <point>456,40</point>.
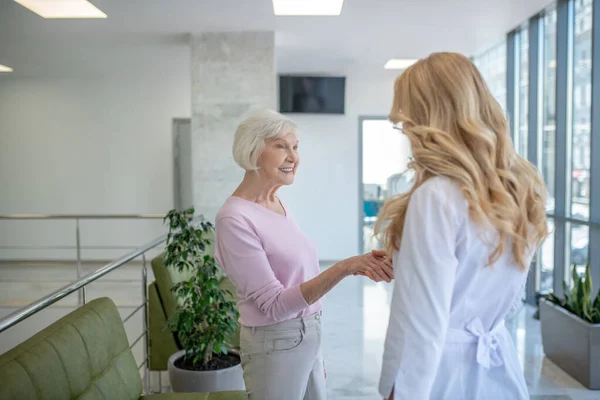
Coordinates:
<point>182,380</point>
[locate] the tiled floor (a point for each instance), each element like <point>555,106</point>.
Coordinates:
<point>355,319</point>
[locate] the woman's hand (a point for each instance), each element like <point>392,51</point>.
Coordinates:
<point>376,253</point>
<point>377,268</point>
<point>379,253</point>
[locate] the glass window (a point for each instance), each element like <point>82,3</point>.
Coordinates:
<point>581,132</point>
<point>588,94</point>
<point>577,97</point>
<point>523,92</point>
<point>492,65</point>
<point>546,260</point>
<point>385,156</point>
<point>579,249</point>
<point>548,131</point>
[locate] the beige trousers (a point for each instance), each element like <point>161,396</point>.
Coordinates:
<point>284,361</point>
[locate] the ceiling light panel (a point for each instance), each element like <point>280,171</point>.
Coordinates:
<point>63,8</point>
<point>307,7</point>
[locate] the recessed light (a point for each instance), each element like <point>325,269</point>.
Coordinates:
<point>307,7</point>
<point>4,68</point>
<point>63,8</point>
<point>395,63</point>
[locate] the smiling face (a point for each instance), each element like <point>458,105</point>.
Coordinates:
<point>279,159</point>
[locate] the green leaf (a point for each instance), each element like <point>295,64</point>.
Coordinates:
<point>203,318</point>
<point>574,276</point>
<point>580,297</point>
<point>588,281</point>
<point>567,300</point>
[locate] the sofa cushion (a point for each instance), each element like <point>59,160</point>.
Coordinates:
<point>165,278</point>
<point>234,395</point>
<point>162,340</point>
<point>84,355</point>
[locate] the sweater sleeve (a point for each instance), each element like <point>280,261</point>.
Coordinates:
<point>240,252</point>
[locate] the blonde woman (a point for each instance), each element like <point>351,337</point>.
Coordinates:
<point>462,239</point>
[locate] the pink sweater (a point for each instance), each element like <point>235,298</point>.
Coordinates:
<point>267,257</point>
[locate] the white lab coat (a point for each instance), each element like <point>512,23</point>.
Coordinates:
<point>446,338</point>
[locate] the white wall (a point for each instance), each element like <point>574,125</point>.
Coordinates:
<point>324,197</point>
<point>104,146</point>
<point>96,145</point>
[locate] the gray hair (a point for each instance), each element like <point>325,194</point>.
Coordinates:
<point>252,133</point>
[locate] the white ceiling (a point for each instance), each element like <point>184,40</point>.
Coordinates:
<point>150,35</point>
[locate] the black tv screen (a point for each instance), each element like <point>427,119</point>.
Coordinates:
<point>310,94</point>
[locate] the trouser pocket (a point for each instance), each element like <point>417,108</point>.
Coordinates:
<point>283,341</point>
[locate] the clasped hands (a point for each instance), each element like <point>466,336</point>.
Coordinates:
<point>375,265</point>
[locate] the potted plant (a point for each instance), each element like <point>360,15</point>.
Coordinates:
<point>571,330</point>
<point>204,318</point>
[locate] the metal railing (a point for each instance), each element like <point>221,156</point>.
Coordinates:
<point>82,281</point>
<point>26,312</point>
<point>78,247</point>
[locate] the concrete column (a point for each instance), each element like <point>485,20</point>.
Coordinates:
<point>232,73</point>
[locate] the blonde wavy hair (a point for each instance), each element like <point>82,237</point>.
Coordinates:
<point>458,130</point>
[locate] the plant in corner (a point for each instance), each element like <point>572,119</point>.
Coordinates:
<point>204,317</point>
<point>578,300</point>
<point>571,329</point>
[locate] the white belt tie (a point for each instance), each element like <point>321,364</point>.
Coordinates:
<point>488,352</point>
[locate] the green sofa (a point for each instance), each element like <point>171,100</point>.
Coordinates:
<point>162,305</point>
<point>84,355</point>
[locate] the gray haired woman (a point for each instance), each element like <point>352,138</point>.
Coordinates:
<point>275,268</point>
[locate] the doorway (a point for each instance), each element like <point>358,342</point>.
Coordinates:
<point>384,154</point>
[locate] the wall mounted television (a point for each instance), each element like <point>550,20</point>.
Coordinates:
<point>312,94</point>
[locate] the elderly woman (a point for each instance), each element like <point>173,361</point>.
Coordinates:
<point>275,268</point>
